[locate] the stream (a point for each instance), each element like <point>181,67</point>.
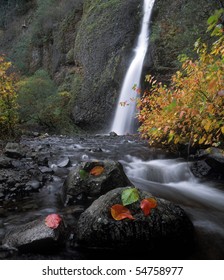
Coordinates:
<point>150,169</point>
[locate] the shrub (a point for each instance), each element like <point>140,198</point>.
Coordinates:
<point>8,99</point>
<point>191,109</point>
<point>41,104</point>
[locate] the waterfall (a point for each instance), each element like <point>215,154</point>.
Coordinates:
<point>125,115</point>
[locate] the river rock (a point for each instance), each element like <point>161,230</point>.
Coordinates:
<point>80,182</point>
<point>13,150</point>
<point>166,230</point>
<point>35,236</point>
<point>210,162</point>
<point>5,162</point>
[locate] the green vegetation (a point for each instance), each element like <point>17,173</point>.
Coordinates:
<point>176,27</point>
<point>8,100</point>
<point>41,103</point>
<point>191,108</point>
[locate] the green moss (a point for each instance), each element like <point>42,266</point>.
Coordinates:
<point>176,27</point>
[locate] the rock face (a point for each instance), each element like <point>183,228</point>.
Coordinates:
<point>176,25</point>
<point>103,47</point>
<point>35,237</point>
<point>166,228</point>
<point>86,49</point>
<point>210,163</point>
<point>80,181</point>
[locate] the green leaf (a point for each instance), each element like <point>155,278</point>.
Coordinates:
<point>83,174</point>
<point>129,196</point>
<point>171,106</point>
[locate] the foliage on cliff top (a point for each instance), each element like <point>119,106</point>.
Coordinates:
<point>176,26</point>
<point>8,99</point>
<point>191,109</point>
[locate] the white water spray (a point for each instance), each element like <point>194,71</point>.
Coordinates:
<point>125,115</point>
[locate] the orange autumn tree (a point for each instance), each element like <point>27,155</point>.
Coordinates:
<point>8,104</point>
<point>191,108</point>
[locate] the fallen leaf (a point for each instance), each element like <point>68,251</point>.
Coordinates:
<point>129,196</point>
<point>53,221</point>
<point>97,170</point>
<point>147,204</point>
<point>83,174</point>
<point>119,212</point>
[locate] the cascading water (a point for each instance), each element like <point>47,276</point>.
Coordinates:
<point>124,117</point>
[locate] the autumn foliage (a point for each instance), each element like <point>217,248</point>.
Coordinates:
<point>191,108</point>
<point>130,196</point>
<point>8,104</point>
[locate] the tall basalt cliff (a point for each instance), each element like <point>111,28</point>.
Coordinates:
<point>86,45</point>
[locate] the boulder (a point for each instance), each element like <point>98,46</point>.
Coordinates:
<point>200,169</point>
<point>13,150</point>
<point>5,162</point>
<point>210,163</point>
<point>35,236</point>
<point>165,231</point>
<point>80,181</point>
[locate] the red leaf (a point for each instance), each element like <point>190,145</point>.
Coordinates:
<point>119,212</point>
<point>53,221</point>
<point>147,204</point>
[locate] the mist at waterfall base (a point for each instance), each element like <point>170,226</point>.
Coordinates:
<point>124,120</point>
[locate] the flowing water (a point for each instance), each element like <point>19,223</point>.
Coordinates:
<point>150,169</point>
<point>124,116</point>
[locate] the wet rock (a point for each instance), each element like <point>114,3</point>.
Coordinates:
<point>33,185</point>
<point>113,134</point>
<point>13,150</point>
<point>80,181</point>
<point>200,169</point>
<point>6,252</point>
<point>61,172</point>
<point>35,236</point>
<point>212,160</point>
<point>65,162</point>
<point>167,229</point>
<point>5,162</point>
<point>1,194</point>
<point>95,150</point>
<point>44,169</point>
<point>2,212</point>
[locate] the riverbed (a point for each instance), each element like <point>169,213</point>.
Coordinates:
<point>154,170</point>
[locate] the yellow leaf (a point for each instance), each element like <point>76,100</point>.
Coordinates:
<point>222,129</point>
<point>207,126</point>
<point>202,140</point>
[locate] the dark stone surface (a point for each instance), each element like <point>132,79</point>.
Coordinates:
<point>13,150</point>
<point>35,236</point>
<point>167,228</point>
<point>87,185</point>
<point>209,163</point>
<point>5,162</point>
<point>103,47</point>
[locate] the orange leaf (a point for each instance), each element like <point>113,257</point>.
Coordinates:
<point>97,170</point>
<point>147,204</point>
<point>120,212</point>
<point>53,221</point>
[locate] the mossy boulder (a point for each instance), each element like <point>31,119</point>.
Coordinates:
<point>166,231</point>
